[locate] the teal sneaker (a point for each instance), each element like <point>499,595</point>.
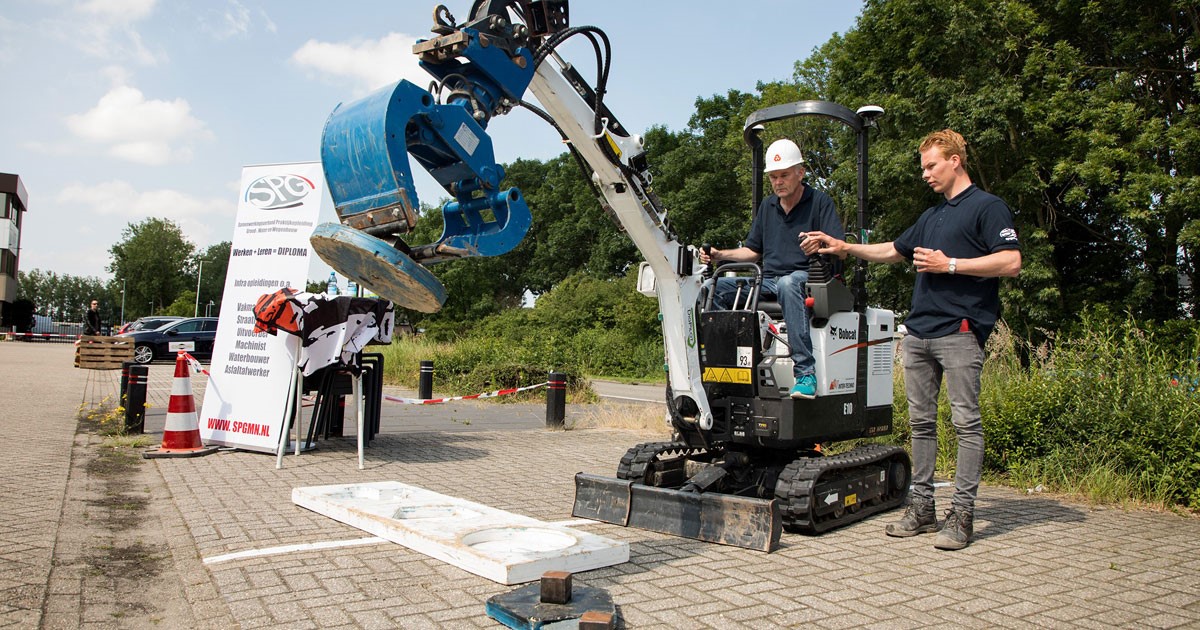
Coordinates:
<point>805,387</point>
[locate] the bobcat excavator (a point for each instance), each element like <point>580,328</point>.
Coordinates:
<point>746,460</point>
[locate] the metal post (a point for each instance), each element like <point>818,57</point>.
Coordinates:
<point>425,383</point>
<point>123,310</point>
<point>556,401</point>
<point>200,274</point>
<point>135,399</point>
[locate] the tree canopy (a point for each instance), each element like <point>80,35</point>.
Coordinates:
<point>1080,114</point>
<point>157,264</point>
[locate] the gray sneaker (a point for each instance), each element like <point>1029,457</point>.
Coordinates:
<point>956,531</point>
<point>919,518</point>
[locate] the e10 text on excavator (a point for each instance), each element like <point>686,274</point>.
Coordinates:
<point>746,460</point>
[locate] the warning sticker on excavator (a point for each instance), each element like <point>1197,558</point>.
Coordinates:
<point>743,376</point>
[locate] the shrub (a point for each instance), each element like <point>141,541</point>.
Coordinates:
<point>1108,399</point>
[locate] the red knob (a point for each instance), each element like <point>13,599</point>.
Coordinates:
<point>809,301</point>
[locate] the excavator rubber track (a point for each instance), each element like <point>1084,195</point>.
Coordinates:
<point>637,459</point>
<point>817,494</point>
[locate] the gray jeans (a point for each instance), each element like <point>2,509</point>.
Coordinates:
<point>959,359</point>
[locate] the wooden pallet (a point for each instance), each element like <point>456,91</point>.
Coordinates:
<point>103,353</point>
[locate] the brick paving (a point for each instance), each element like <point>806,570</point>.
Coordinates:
<point>1036,561</point>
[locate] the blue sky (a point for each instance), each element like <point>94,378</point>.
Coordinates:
<point>119,110</point>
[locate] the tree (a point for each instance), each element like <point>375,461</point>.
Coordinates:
<point>212,282</point>
<point>1079,114</point>
<point>65,297</point>
<point>157,263</point>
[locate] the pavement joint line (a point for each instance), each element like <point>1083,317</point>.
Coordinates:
<point>272,551</point>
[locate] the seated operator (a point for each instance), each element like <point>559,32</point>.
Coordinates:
<point>793,210</point>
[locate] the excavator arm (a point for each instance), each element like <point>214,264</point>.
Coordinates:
<point>481,69</point>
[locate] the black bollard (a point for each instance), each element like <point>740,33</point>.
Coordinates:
<point>556,400</point>
<point>135,398</point>
<point>425,384</point>
<point>124,391</point>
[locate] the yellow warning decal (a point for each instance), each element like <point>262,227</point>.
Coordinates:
<point>851,499</point>
<point>743,376</point>
<point>612,144</point>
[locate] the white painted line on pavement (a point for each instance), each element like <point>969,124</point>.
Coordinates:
<point>271,551</point>
<point>575,523</point>
<point>647,400</point>
<point>334,544</point>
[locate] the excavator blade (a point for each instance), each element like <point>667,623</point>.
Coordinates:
<point>709,516</point>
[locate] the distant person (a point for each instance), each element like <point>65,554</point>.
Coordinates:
<point>961,248</point>
<point>774,238</point>
<point>91,322</point>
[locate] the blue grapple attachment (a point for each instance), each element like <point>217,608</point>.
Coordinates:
<point>365,150</point>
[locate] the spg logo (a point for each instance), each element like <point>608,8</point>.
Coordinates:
<point>276,192</point>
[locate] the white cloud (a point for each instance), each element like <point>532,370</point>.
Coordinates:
<point>119,10</point>
<point>144,131</point>
<point>367,64</point>
<point>236,19</point>
<point>119,202</point>
<point>233,20</point>
<point>108,30</point>
<point>8,34</point>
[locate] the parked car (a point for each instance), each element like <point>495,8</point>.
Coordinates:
<point>148,323</point>
<point>194,335</point>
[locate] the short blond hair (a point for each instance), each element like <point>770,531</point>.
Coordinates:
<point>949,141</point>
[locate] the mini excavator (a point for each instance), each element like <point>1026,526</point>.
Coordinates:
<point>746,461</point>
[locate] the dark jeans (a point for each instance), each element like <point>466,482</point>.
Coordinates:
<point>790,293</point>
<point>959,360</point>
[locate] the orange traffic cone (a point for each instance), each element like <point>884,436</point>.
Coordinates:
<point>181,435</point>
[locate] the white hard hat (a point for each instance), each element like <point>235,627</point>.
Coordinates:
<point>782,154</point>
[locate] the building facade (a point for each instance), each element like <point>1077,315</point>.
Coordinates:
<point>13,204</point>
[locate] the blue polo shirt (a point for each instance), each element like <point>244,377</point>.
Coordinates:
<point>972,224</point>
<point>773,234</point>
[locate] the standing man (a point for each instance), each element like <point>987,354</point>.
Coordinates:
<point>961,247</point>
<point>793,210</point>
<point>92,320</point>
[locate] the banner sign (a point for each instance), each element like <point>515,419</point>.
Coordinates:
<point>251,372</point>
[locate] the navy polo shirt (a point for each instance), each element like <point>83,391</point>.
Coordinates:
<point>972,224</point>
<point>774,234</point>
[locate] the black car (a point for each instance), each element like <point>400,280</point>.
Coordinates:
<point>149,323</point>
<point>194,335</point>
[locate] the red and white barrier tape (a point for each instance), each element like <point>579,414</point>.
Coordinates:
<point>435,401</point>
<point>194,363</point>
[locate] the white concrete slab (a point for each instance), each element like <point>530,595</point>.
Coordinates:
<point>500,546</point>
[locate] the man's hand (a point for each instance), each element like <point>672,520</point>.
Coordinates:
<point>710,256</point>
<point>822,243</point>
<point>930,260</point>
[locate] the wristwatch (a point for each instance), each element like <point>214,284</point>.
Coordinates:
<point>953,265</point>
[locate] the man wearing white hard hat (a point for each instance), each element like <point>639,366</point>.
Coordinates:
<point>774,238</point>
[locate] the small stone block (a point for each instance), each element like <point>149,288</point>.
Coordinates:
<point>595,620</point>
<point>556,587</point>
